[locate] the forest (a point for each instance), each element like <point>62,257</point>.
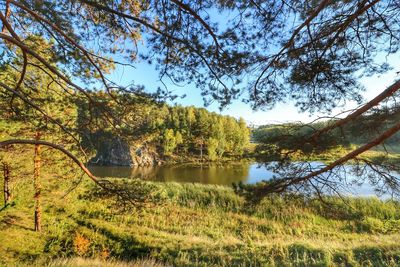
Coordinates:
<point>355,133</point>
<point>173,130</point>
<point>126,133</point>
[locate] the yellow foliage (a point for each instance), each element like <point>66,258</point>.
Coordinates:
<point>105,254</point>
<point>81,244</point>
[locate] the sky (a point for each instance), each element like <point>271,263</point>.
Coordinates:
<point>145,74</point>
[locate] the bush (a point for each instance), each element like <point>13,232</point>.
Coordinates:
<point>81,244</point>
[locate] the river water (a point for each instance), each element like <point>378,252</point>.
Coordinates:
<point>208,173</point>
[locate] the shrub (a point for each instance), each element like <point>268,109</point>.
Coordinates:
<point>81,244</point>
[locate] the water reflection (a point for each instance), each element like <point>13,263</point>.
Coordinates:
<point>214,173</point>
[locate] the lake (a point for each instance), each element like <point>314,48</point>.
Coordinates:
<point>207,173</point>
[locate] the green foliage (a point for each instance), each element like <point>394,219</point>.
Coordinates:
<point>375,225</point>
<point>212,146</point>
<point>169,141</point>
<point>274,139</point>
<point>45,108</point>
<point>198,225</point>
<point>176,130</point>
<point>189,224</point>
<point>197,127</point>
<point>289,136</point>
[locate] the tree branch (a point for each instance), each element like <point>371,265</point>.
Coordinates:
<point>197,17</point>
<point>55,146</point>
<point>282,184</point>
<point>314,14</point>
<point>374,102</point>
<point>104,184</point>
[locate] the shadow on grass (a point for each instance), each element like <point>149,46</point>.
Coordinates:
<point>3,208</point>
<point>10,220</point>
<point>125,246</point>
<point>377,256</point>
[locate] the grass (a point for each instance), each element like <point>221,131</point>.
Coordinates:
<point>85,262</point>
<point>389,153</point>
<point>186,225</point>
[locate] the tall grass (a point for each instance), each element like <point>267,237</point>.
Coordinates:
<point>85,262</point>
<point>189,225</point>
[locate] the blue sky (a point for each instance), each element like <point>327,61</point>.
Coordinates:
<point>145,74</point>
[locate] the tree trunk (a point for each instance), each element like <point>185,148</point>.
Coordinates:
<point>37,186</point>
<point>7,191</point>
<point>201,151</point>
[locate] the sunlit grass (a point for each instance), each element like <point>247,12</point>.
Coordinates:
<point>189,225</point>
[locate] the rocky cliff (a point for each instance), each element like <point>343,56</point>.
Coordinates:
<point>116,152</point>
<point>144,156</point>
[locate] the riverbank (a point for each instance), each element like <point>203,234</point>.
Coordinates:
<point>184,224</point>
<point>196,225</point>
<point>390,153</point>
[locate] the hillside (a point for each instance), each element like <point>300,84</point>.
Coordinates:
<point>139,131</point>
<point>282,137</point>
<point>171,133</point>
<point>186,224</point>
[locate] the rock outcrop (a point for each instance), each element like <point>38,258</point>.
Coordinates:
<point>143,156</point>
<point>113,151</point>
<point>117,152</point>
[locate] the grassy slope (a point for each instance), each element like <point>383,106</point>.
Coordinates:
<point>190,225</point>
<point>390,153</point>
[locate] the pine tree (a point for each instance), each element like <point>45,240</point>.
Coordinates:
<point>37,186</point>
<point>6,189</point>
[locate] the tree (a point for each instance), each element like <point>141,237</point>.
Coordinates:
<point>178,138</point>
<point>37,186</point>
<point>6,183</point>
<point>212,145</point>
<point>243,136</point>
<point>220,136</point>
<point>309,52</point>
<point>169,141</point>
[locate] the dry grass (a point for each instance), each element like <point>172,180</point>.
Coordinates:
<point>192,225</point>
<point>86,262</point>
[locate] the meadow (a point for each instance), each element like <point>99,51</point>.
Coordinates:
<point>187,225</point>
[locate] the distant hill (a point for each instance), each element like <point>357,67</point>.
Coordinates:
<point>356,132</point>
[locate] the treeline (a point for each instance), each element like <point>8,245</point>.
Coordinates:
<point>290,135</point>
<point>172,130</point>
<point>357,132</point>
<point>61,114</point>
<point>134,117</point>
<point>191,130</point>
